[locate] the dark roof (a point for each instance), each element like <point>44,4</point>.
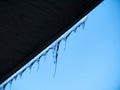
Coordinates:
<point>28,26</point>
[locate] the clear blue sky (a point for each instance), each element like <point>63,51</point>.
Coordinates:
<point>91,60</point>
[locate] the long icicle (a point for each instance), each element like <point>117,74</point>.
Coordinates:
<point>56,56</point>
<point>66,38</point>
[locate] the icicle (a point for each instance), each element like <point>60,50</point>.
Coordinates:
<point>4,86</point>
<point>20,75</point>
<point>30,66</point>
<point>38,60</point>
<point>23,71</point>
<point>45,55</point>
<point>77,28</point>
<point>65,39</point>
<point>39,57</point>
<point>83,21</point>
<point>54,49</point>
<point>57,49</point>
<point>55,68</point>
<point>15,77</point>
<point>56,56</point>
<point>10,82</point>
<point>83,25</point>
<point>65,44</point>
<point>51,48</point>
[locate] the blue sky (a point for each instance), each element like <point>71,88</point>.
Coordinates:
<point>91,60</point>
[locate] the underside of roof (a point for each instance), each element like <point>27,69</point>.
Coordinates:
<point>28,26</point>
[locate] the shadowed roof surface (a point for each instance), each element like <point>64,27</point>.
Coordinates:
<point>28,26</point>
